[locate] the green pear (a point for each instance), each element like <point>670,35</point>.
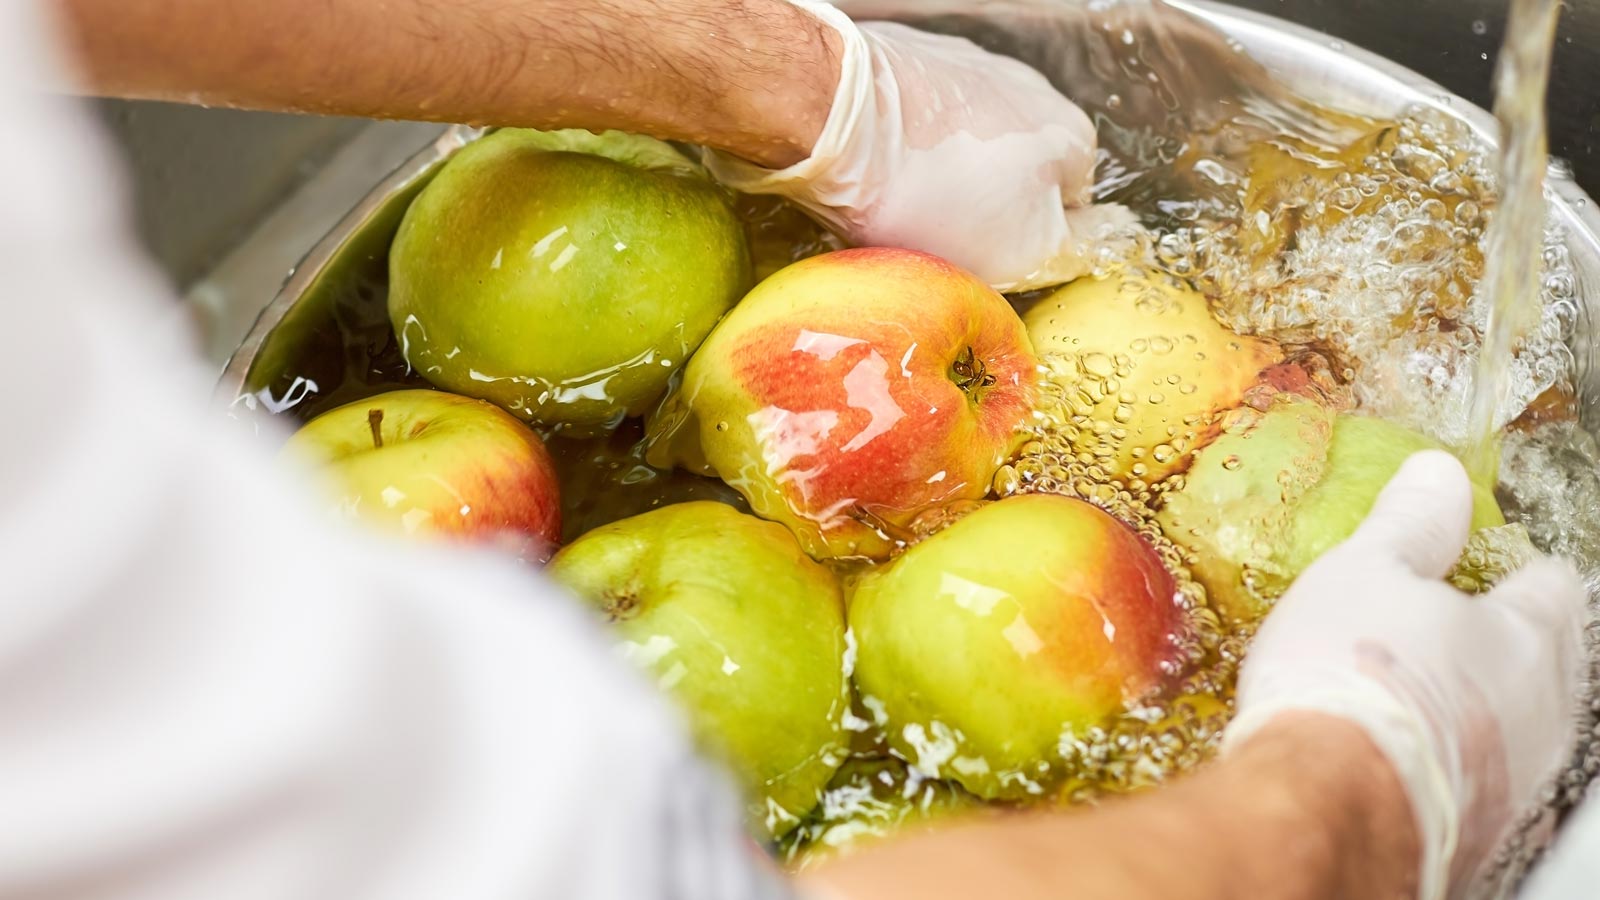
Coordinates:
<point>564,275</point>
<point>1277,490</point>
<point>1034,617</point>
<point>734,621</point>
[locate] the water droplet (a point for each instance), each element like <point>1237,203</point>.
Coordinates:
<point>1098,365</point>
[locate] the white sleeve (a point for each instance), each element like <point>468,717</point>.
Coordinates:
<point>205,692</point>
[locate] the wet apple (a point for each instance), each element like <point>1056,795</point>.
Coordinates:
<point>427,462</point>
<point>564,275</point>
<point>1280,488</point>
<point>1035,617</point>
<point>851,391</point>
<point>739,626</point>
<point>1153,370</point>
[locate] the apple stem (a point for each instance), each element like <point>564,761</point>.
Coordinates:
<point>970,372</point>
<point>375,422</point>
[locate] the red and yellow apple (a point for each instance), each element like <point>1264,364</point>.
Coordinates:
<point>426,462</point>
<point>852,390</point>
<point>1035,617</point>
<point>1151,370</point>
<point>564,275</point>
<point>739,626</point>
<point>1277,490</point>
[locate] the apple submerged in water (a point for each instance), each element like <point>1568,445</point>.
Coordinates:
<point>564,275</point>
<point>852,390</point>
<point>1035,615</point>
<point>425,462</point>
<point>742,628</point>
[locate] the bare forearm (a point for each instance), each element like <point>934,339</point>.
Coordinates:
<point>753,77</point>
<point>1307,811</point>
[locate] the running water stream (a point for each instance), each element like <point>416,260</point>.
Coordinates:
<point>1513,262</point>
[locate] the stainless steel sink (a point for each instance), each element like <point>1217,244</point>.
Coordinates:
<point>229,202</point>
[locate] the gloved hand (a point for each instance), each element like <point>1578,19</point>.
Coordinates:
<point>1470,698</point>
<point>934,144</point>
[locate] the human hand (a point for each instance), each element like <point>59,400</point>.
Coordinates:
<point>936,145</point>
<point>1470,698</point>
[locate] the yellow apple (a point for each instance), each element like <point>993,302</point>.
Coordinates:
<point>1152,370</point>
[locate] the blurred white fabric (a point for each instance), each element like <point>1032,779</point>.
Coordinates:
<point>205,693</point>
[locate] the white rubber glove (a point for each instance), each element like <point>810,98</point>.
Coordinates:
<point>1470,698</point>
<point>934,144</point>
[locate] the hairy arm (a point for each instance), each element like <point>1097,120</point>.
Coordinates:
<point>1308,809</point>
<point>755,78</point>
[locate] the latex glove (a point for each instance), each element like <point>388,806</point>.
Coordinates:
<point>934,144</point>
<point>1470,698</point>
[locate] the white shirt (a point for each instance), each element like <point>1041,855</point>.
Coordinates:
<point>205,692</point>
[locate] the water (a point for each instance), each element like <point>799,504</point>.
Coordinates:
<point>1366,251</point>
<point>1512,271</point>
<point>1422,272</point>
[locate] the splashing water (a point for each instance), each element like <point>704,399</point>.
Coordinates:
<point>1511,273</point>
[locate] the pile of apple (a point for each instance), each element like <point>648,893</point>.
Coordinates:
<point>885,600</point>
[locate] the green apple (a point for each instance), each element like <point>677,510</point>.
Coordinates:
<point>426,462</point>
<point>564,275</point>
<point>742,628</point>
<point>1152,370</point>
<point>870,799</point>
<point>852,391</point>
<point>1034,617</point>
<point>1280,488</point>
